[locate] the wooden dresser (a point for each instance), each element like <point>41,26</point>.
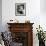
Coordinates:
<point>22,33</point>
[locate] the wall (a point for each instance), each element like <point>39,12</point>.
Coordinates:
<point>34,13</point>
<point>0,15</point>
<point>43,6</point>
<point>43,13</point>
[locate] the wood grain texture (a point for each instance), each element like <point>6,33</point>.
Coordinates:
<point>22,27</point>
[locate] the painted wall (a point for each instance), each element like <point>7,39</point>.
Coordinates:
<point>0,15</point>
<point>43,14</point>
<point>33,13</point>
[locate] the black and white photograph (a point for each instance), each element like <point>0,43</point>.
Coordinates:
<point>20,9</point>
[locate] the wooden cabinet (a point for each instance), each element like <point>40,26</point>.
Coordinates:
<point>22,33</point>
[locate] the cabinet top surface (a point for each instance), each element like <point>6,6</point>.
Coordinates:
<point>19,23</point>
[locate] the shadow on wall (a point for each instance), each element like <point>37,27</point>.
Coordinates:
<point>43,6</point>
<point>0,15</point>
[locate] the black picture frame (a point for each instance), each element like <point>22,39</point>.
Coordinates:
<point>20,9</point>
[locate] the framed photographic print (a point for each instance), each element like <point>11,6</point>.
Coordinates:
<point>20,9</point>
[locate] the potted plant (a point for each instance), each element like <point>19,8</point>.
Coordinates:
<point>41,36</point>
